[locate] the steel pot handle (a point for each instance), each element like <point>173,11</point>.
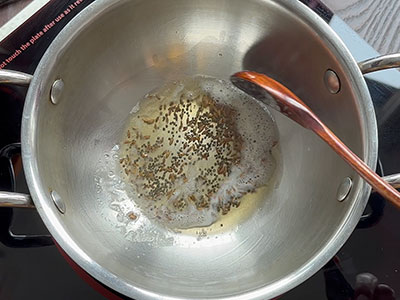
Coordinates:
<point>376,202</point>
<point>11,199</point>
<point>15,77</point>
<point>379,63</point>
<point>393,180</point>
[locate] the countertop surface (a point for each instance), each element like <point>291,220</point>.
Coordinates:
<point>10,10</point>
<point>375,21</point>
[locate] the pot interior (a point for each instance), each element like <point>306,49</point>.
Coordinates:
<point>121,53</point>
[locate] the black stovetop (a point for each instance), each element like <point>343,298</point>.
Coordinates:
<point>370,258</point>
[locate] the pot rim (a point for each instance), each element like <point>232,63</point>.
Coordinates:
<point>65,240</point>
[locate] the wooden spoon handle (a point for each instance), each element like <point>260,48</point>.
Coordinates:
<point>379,184</point>
<point>279,97</point>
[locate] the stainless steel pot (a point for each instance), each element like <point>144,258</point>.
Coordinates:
<point>113,53</point>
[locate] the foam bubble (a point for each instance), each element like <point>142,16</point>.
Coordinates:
<point>257,130</point>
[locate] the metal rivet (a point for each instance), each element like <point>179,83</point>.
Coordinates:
<point>56,91</point>
<point>344,189</point>
<point>332,82</point>
<point>59,203</point>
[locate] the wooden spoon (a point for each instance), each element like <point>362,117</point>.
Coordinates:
<point>279,97</point>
